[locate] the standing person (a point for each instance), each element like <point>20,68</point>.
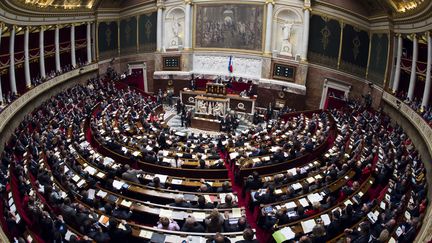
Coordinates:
<point>188,119</point>
<point>179,106</point>
<point>183,118</point>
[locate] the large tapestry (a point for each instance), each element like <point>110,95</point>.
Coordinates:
<point>324,40</point>
<point>107,39</point>
<point>128,35</point>
<point>234,26</point>
<point>147,32</point>
<point>355,50</point>
<point>378,58</point>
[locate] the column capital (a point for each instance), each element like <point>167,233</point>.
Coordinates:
<point>270,2</point>
<point>307,8</point>
<point>398,34</point>
<point>414,36</point>
<point>428,33</point>
<point>188,2</point>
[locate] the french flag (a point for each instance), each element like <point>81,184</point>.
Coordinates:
<point>230,65</point>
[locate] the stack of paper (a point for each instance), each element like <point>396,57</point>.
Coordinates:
<point>308,225</point>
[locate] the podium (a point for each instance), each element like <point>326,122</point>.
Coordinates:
<point>208,110</point>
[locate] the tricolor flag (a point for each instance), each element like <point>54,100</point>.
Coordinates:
<point>230,65</point>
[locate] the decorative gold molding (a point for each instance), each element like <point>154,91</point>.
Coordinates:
<point>369,55</point>
<point>342,26</point>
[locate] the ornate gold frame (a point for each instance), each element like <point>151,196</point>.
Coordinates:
<point>261,52</point>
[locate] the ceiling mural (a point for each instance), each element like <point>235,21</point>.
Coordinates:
<point>59,4</point>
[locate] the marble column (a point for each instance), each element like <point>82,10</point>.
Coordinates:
<point>57,48</point>
<point>94,41</point>
<point>89,51</point>
<point>413,77</point>
<point>42,53</point>
<point>187,37</point>
<point>306,24</point>
<point>159,29</point>
<point>12,60</point>
<point>393,57</point>
<point>72,39</point>
<point>27,58</point>
<point>1,92</point>
<point>427,87</point>
<point>269,24</point>
<point>398,64</point>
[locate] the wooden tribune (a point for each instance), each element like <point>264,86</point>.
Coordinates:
<point>206,124</point>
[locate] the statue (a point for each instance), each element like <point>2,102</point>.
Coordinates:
<point>175,27</point>
<point>286,44</point>
<point>286,31</point>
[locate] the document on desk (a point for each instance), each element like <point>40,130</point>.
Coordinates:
<point>304,202</point>
<point>118,184</point>
<point>290,205</point>
<point>146,234</point>
<point>176,181</point>
<point>283,235</point>
<point>296,186</point>
<point>310,180</point>
<point>199,216</point>
<point>91,194</point>
<point>315,197</point>
<point>101,194</point>
<point>165,213</point>
<point>233,155</point>
<point>104,220</point>
<point>308,225</point>
<point>162,178</point>
<point>326,219</point>
<point>126,203</point>
<point>90,170</point>
<point>236,212</point>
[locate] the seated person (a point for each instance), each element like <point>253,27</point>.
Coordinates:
<point>156,183</point>
<point>218,238</point>
<point>228,202</point>
<point>180,202</point>
<point>191,225</point>
<point>131,174</point>
<point>203,204</point>
<point>235,226</point>
<point>214,222</point>
<point>167,224</point>
<point>248,236</point>
<point>225,187</point>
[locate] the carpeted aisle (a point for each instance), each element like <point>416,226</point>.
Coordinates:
<point>261,235</point>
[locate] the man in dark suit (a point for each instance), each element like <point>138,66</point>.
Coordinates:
<point>117,234</point>
<point>248,236</point>
<point>335,226</point>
